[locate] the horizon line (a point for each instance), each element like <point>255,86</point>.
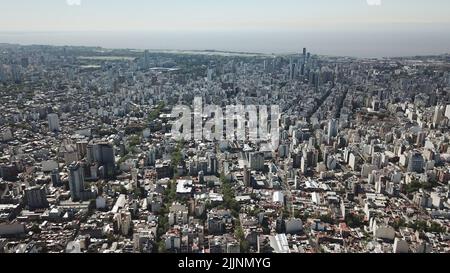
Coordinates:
<point>260,54</point>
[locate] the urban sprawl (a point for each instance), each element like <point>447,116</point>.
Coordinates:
<point>89,163</point>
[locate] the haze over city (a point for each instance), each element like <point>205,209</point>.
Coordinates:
<point>240,129</point>
<point>349,27</point>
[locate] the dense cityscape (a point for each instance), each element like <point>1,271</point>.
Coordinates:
<point>89,164</point>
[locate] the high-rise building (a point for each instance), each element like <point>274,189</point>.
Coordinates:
<point>283,151</point>
<point>296,159</point>
<point>212,162</point>
<point>256,161</point>
<point>56,178</point>
<point>421,136</point>
<point>9,172</point>
<point>16,73</point>
<point>203,164</point>
<point>36,197</point>
<point>303,165</point>
<point>82,148</point>
<point>447,111</point>
<point>76,181</point>
<point>438,115</point>
<point>332,128</point>
<point>3,77</point>
<point>292,69</point>
<point>247,177</point>
<point>416,162</point>
<point>377,160</point>
<point>210,73</point>
<point>103,154</point>
<point>151,156</point>
<point>146,59</point>
<point>53,122</point>
<point>304,56</point>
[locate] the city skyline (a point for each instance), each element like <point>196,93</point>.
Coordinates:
<point>225,127</point>
<point>353,28</point>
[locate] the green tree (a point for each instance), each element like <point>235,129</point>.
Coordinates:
<point>155,113</point>
<point>327,219</point>
<point>354,220</point>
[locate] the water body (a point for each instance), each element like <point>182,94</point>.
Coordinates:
<point>389,42</point>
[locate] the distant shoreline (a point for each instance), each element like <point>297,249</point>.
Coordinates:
<point>211,52</point>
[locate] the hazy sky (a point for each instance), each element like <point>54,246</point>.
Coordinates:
<point>349,27</point>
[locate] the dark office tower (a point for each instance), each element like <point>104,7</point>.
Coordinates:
<point>9,172</point>
<point>416,162</point>
<point>146,59</point>
<point>311,78</point>
<point>304,55</point>
<point>332,128</point>
<point>212,162</point>
<point>2,74</point>
<point>317,80</point>
<point>103,154</point>
<point>108,160</point>
<point>90,153</point>
<point>36,197</point>
<point>56,179</point>
<point>53,122</point>
<point>297,159</point>
<point>291,70</point>
<point>82,148</point>
<point>256,161</point>
<point>76,181</point>
<point>247,177</point>
<point>203,165</point>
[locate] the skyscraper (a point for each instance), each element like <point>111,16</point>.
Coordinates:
<point>256,161</point>
<point>416,162</point>
<point>53,122</point>
<point>16,73</point>
<point>447,111</point>
<point>55,177</point>
<point>151,156</point>
<point>2,74</point>
<point>332,128</point>
<point>438,115</point>
<point>247,177</point>
<point>36,197</point>
<point>146,59</point>
<point>291,70</point>
<point>210,73</point>
<point>212,162</point>
<point>103,154</point>
<point>304,55</point>
<point>76,181</point>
